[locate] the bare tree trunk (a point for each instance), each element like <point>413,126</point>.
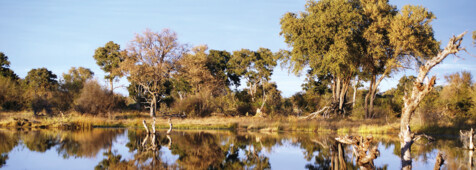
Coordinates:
<point>366,105</point>
<point>356,82</point>
<point>153,105</point>
<point>170,126</point>
<point>153,126</point>
<point>145,126</point>
<point>470,163</point>
<point>419,91</point>
<point>111,82</point>
<point>406,141</point>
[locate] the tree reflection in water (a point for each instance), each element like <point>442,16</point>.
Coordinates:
<point>217,149</point>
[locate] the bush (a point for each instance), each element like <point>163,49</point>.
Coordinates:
<point>198,105</point>
<point>10,94</point>
<point>95,99</point>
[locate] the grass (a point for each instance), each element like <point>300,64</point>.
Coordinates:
<point>271,124</point>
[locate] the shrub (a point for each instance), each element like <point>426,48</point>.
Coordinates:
<point>198,105</point>
<point>10,94</point>
<point>95,99</point>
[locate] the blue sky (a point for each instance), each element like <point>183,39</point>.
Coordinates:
<point>60,34</point>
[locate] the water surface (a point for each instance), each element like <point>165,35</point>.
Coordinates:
<point>131,148</point>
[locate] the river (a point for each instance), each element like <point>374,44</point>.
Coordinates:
<point>109,148</point>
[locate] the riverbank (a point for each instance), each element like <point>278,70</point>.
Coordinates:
<point>269,124</point>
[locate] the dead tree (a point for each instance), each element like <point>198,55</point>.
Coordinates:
<point>361,149</point>
<point>419,91</point>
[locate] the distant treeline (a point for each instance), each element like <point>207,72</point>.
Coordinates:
<point>341,44</point>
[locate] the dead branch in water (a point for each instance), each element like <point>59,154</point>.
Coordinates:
<point>439,161</point>
<point>360,145</point>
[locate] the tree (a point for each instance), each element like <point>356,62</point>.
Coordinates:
<point>5,71</point>
<point>41,79</point>
<point>193,70</point>
<point>149,62</point>
<point>218,62</point>
<point>74,80</point>
<point>456,96</point>
<point>70,86</point>
<point>378,53</point>
<point>256,67</point>
<point>108,58</point>
<point>325,39</point>
<point>41,84</point>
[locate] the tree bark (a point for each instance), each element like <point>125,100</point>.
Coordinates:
<point>357,80</point>
<point>153,105</point>
<point>111,82</point>
<point>145,126</point>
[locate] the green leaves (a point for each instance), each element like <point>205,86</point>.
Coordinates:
<point>41,78</point>
<point>323,37</point>
<point>411,33</point>
<point>108,58</point>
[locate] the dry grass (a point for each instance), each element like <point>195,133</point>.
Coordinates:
<point>270,124</point>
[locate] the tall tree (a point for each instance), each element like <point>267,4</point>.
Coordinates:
<point>74,80</point>
<point>5,71</point>
<point>150,61</point>
<point>218,62</point>
<point>256,67</point>
<point>41,84</point>
<point>385,49</point>
<point>325,38</point>
<point>108,58</point>
<point>41,79</point>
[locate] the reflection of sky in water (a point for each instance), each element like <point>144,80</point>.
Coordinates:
<point>283,155</point>
<point>287,156</point>
<point>22,158</point>
<point>167,155</point>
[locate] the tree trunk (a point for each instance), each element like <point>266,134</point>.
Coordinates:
<point>357,80</point>
<point>153,106</point>
<point>372,98</point>
<point>111,82</point>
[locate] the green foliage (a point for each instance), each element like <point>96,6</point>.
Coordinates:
<point>74,80</point>
<point>218,62</point>
<point>323,37</point>
<point>41,85</point>
<point>456,96</point>
<point>412,34</point>
<point>11,94</point>
<point>5,71</point>
<point>108,58</point>
<point>255,66</point>
<point>41,79</point>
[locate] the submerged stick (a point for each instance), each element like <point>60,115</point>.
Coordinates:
<point>170,126</point>
<point>145,126</point>
<point>153,126</point>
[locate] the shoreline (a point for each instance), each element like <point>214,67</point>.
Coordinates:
<point>75,121</point>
